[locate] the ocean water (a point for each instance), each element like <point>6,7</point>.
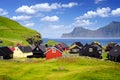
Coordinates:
<point>84,41</point>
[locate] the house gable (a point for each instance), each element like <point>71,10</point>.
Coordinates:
<point>53,53</point>
<point>39,51</point>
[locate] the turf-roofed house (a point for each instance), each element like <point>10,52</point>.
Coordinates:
<point>91,50</point>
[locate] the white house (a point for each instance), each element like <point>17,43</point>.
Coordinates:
<point>22,51</point>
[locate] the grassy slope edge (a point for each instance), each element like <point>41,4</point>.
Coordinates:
<point>11,32</point>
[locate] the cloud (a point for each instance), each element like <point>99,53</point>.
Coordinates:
<point>83,20</point>
<point>3,12</point>
<point>101,12</point>
<point>50,18</point>
<point>55,31</point>
<point>29,24</point>
<point>25,9</point>
<point>21,18</point>
<point>97,1</point>
<point>82,23</point>
<point>43,7</point>
<point>55,27</point>
<point>69,5</point>
<point>116,12</point>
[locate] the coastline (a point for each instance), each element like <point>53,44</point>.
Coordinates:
<point>69,41</point>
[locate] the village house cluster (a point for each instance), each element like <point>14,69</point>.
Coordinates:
<point>45,51</point>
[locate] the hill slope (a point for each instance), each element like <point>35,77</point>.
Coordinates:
<point>12,32</point>
<point>110,30</point>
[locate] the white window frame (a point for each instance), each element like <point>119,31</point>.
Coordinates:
<point>53,50</point>
<point>90,49</point>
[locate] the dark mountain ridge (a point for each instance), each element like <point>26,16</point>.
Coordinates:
<point>110,30</point>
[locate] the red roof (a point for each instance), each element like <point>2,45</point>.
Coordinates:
<point>62,46</point>
<point>12,49</point>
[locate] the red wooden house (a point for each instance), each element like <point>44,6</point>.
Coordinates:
<point>53,52</point>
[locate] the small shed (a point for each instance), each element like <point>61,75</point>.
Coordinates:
<point>5,53</point>
<point>22,51</point>
<point>38,51</point>
<point>53,52</point>
<point>91,51</point>
<point>76,47</point>
<point>114,54</point>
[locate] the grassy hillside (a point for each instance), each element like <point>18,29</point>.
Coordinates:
<point>51,43</point>
<point>79,68</point>
<point>12,32</point>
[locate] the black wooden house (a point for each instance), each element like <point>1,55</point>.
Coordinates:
<point>91,51</point>
<point>38,51</point>
<point>6,53</point>
<point>114,54</point>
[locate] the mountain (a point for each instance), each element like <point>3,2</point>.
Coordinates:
<point>77,32</point>
<point>110,30</point>
<point>11,32</point>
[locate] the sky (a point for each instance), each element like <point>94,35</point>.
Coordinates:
<point>52,18</point>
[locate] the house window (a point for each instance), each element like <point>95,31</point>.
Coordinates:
<point>115,50</point>
<point>1,57</point>
<point>75,50</point>
<point>90,49</point>
<point>100,52</point>
<point>37,49</point>
<point>53,50</point>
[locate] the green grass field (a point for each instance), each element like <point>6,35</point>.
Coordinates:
<point>71,68</point>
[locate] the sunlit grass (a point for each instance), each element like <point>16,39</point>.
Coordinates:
<point>71,68</point>
<point>104,55</point>
<point>12,32</point>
